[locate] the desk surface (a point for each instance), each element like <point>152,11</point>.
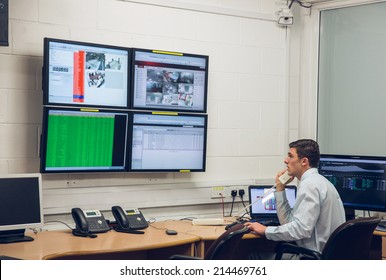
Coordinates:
<point>206,233</point>
<point>380,233</point>
<point>56,244</point>
<point>62,244</point>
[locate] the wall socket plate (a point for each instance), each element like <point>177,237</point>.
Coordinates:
<point>218,192</point>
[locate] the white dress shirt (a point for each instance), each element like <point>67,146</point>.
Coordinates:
<point>317,212</point>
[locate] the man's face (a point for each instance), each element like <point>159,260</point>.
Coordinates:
<point>294,164</point>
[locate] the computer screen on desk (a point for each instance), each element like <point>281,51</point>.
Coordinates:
<point>21,206</point>
<point>360,180</point>
<point>266,209</point>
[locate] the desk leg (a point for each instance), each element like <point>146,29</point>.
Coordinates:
<point>201,247</point>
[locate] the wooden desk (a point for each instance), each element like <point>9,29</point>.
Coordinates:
<point>208,234</point>
<point>250,242</point>
<point>154,244</point>
<point>379,245</point>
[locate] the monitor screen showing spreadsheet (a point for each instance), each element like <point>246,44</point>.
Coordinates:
<point>78,140</point>
<point>360,180</point>
<point>85,74</point>
<point>169,81</point>
<point>174,143</point>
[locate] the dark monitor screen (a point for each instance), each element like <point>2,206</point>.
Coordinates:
<point>21,206</point>
<point>83,140</point>
<point>162,143</point>
<point>360,180</point>
<point>169,81</point>
<point>85,74</point>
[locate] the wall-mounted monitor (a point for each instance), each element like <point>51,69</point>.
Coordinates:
<point>169,81</point>
<point>83,140</point>
<point>21,206</point>
<point>360,180</point>
<point>85,74</point>
<point>168,143</point>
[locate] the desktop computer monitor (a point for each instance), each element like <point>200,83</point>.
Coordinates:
<point>85,74</point>
<point>360,180</point>
<point>83,140</point>
<point>169,81</point>
<point>21,206</point>
<point>168,143</point>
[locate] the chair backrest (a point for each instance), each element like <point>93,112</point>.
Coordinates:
<point>351,240</point>
<point>223,248</point>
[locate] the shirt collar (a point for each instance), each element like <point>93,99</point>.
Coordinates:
<point>308,173</point>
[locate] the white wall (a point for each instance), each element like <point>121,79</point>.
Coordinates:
<point>250,122</point>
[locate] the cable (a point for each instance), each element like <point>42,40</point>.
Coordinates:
<point>223,205</point>
<point>241,194</point>
<point>300,3</point>
<point>47,222</point>
<point>233,194</point>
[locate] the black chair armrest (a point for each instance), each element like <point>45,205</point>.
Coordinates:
<point>294,249</point>
<point>183,257</point>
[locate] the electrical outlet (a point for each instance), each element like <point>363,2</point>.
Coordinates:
<point>240,190</point>
<point>218,192</point>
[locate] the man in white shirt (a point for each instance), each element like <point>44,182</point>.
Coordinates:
<point>318,209</point>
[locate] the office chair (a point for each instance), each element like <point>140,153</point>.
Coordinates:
<point>350,241</point>
<point>224,247</point>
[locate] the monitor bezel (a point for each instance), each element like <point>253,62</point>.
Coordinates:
<point>356,157</point>
<point>161,170</point>
<point>45,73</point>
<point>44,135</point>
<point>25,226</point>
<point>171,109</point>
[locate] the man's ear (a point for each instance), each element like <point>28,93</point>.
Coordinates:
<point>304,161</point>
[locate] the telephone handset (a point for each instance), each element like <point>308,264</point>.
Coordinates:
<point>285,178</point>
<point>88,222</point>
<point>129,220</point>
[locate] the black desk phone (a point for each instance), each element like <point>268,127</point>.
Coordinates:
<point>88,222</point>
<point>129,220</point>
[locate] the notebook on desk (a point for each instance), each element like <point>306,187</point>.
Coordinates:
<point>264,211</point>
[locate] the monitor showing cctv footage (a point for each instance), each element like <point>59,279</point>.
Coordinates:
<point>169,81</point>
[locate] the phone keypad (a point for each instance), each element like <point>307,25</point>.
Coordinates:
<point>98,225</point>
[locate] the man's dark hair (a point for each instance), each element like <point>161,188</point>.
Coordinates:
<point>307,148</point>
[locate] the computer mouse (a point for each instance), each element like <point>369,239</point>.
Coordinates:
<point>170,232</point>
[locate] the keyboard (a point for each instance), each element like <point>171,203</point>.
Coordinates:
<point>208,222</point>
<point>269,222</point>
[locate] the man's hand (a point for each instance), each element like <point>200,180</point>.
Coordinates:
<point>279,186</point>
<point>256,228</point>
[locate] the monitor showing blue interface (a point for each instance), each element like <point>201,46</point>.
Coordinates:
<point>85,74</point>
<point>168,142</point>
<point>169,81</point>
<point>360,180</point>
